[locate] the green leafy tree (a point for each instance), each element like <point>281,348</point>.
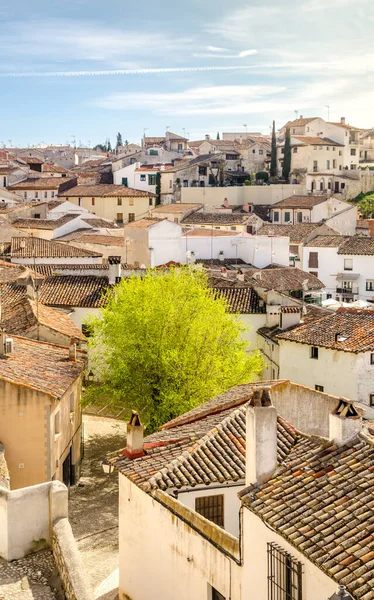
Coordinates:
<point>218,138</point>
<point>158,188</point>
<point>164,343</point>
<point>101,147</point>
<point>273,159</point>
<point>262,175</point>
<point>366,207</point>
<point>287,156</point>
<point>119,140</point>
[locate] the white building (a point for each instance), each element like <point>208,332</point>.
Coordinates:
<point>333,355</point>
<point>207,509</point>
<point>344,264</point>
<point>151,242</point>
<point>335,213</point>
<point>139,176</point>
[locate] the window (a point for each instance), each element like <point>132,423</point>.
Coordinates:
<point>294,150</point>
<point>119,218</point>
<point>25,195</point>
<point>334,163</point>
<point>314,147</point>
<point>180,147</point>
<point>233,228</point>
<point>79,201</point>
<point>340,153</point>
<point>142,177</point>
<point>333,148</point>
<point>353,151</point>
<point>72,402</point>
<point>230,156</point>
<point>282,151</point>
<point>151,179</point>
<point>287,217</point>
<point>37,216</point>
<point>260,151</point>
<point>342,186</point>
<point>170,184</point>
<point>299,217</point>
<point>348,264</point>
<point>328,148</point>
<point>371,399</point>
<point>211,507</point>
<point>254,151</point>
<point>313,260</point>
<point>327,164</point>
<point>124,181</point>
<point>284,575</point>
<point>131,217</point>
<point>153,152</point>
<point>202,170</point>
<point>314,352</point>
<point>151,202</point>
<point>315,165</point>
<point>45,194</point>
<point>294,131</point>
<point>131,201</point>
<point>185,182</point>
<point>36,194</point>
<point>307,128</point>
<point>216,595</point>
<point>319,388</point>
<point>370,285</point>
<point>93,201</point>
<point>372,358</point>
<point>57,422</point>
<point>119,201</point>
<point>276,217</point>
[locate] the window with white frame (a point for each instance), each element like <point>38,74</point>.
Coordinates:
<point>348,264</point>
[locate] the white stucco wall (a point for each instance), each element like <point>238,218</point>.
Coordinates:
<point>165,239</point>
<point>79,314</point>
<point>335,370</point>
<point>251,323</point>
<point>161,556</point>
<point>266,194</point>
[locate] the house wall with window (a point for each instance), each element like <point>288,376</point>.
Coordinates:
<point>256,536</point>
<point>338,372</point>
<point>120,209</point>
<point>136,176</point>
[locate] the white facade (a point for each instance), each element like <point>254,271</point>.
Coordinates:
<point>137,177</point>
<point>323,211</point>
<point>340,373</point>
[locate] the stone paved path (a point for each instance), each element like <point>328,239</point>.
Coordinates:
<point>93,505</point>
<point>31,578</point>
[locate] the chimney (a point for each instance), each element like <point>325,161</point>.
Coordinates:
<point>223,272</point>
<point>301,117</point>
<point>114,269</point>
<point>135,437</point>
<point>221,256</point>
<point>207,136</point>
<point>72,349</point>
<point>261,438</point>
<point>240,275</point>
<point>342,120</point>
<point>345,423</point>
<point>2,341</point>
<point>225,203</point>
<point>245,207</point>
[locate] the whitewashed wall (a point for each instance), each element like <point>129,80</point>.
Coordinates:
<point>266,194</point>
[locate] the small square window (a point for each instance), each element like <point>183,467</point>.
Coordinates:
<point>119,201</point>
<point>131,201</point>
<point>142,177</point>
<point>371,399</point>
<point>150,202</point>
<point>93,201</point>
<point>211,507</point>
<point>372,358</point>
<point>348,264</point>
<point>319,388</point>
<point>314,352</point>
<point>131,217</point>
<point>57,422</point>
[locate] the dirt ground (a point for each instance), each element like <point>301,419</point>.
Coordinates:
<point>93,503</point>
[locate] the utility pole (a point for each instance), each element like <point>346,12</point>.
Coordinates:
<point>246,127</point>
<point>328,112</point>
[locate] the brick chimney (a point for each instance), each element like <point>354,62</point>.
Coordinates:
<point>225,203</point>
<point>114,269</point>
<point>72,349</point>
<point>345,423</point>
<point>135,437</point>
<point>342,120</point>
<point>261,438</point>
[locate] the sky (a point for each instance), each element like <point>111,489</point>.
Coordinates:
<point>87,69</point>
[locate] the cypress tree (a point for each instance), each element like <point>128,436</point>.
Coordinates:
<point>273,160</point>
<point>218,135</point>
<point>158,188</point>
<point>287,156</point>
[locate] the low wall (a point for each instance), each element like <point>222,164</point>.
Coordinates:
<point>236,195</point>
<point>69,562</point>
<point>26,517</point>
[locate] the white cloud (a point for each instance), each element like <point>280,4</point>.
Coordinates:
<point>131,71</point>
<point>216,49</point>
<point>246,53</point>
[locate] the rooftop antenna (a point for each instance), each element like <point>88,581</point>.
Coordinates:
<point>328,112</point>
<point>296,113</point>
<point>246,127</point>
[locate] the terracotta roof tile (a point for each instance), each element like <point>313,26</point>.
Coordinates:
<point>40,183</point>
<point>300,202</point>
<point>217,217</point>
<point>348,330</point>
<point>356,245</point>
<point>102,190</point>
<point>44,223</point>
<point>33,247</point>
<point>297,232</point>
<point>243,300</point>
<point>74,290</point>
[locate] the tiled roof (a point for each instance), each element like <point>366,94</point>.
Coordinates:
<point>33,247</point>
<point>281,279</point>
<point>327,241</point>
<point>40,183</point>
<point>205,446</point>
<point>316,141</point>
<point>321,501</point>
<point>31,160</point>
<point>300,202</point>
<point>144,223</point>
<point>199,232</point>
<point>217,217</point>
<point>52,168</point>
<point>98,222</point>
<point>74,290</point>
<point>297,232</point>
<point>44,223</point>
<point>103,190</point>
<point>86,236</point>
<point>48,269</point>
<point>348,330</point>
<point>299,122</point>
<point>244,300</point>
<point>356,245</point>
<point>24,315</point>
<point>175,208</point>
<point>41,366</point>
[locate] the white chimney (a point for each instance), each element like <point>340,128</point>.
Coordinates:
<point>207,136</point>
<point>221,256</point>
<point>261,438</point>
<point>245,207</point>
<point>240,275</point>
<point>135,437</point>
<point>223,272</point>
<point>342,120</point>
<point>345,424</point>
<point>72,349</point>
<point>114,269</point>
<point>225,203</point>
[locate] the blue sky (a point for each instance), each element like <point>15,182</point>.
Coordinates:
<point>262,60</point>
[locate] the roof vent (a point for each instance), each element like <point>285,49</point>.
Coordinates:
<point>340,338</point>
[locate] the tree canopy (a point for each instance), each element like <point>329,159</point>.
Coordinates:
<point>287,156</point>
<point>119,140</point>
<point>366,206</point>
<point>164,343</point>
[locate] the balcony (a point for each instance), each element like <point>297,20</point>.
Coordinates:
<point>348,292</point>
<point>315,169</point>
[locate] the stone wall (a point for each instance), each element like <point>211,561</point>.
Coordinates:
<point>69,562</point>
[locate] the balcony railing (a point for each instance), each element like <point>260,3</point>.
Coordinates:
<point>315,169</point>
<point>349,292</point>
